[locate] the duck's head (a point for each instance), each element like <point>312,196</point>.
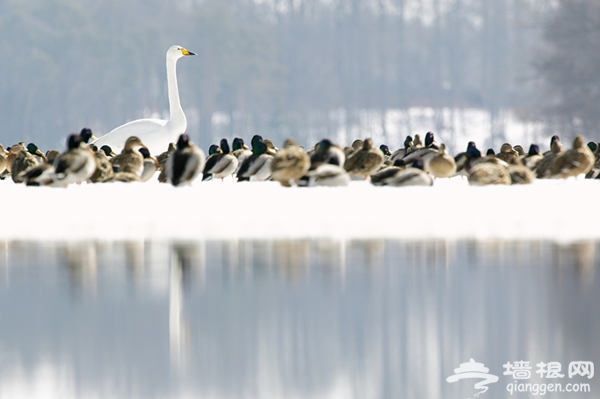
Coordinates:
<point>238,143</point>
<point>289,142</point>
<point>417,140</point>
<point>73,141</point>
<point>107,150</point>
<point>490,151</point>
<point>51,155</point>
<point>183,141</point>
<point>177,51</point>
<point>255,139</point>
<point>214,149</point>
<point>357,144</point>
<point>592,146</point>
<point>145,152</point>
<point>86,135</point>
<point>367,144</point>
<point>408,142</point>
<point>34,150</point>
<point>259,148</point>
<point>271,149</point>
<point>429,139</point>
<point>324,145</point>
<point>506,148</point>
<point>224,144</point>
<point>578,142</point>
<point>534,149</point>
<point>556,146</point>
<point>132,142</point>
<point>385,149</point>
<point>472,151</point>
<point>519,149</point>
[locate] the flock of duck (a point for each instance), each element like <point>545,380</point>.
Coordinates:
<point>325,164</point>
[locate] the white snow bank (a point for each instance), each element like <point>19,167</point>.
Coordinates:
<point>559,210</point>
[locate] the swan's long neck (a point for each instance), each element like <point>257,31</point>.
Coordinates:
<point>177,117</point>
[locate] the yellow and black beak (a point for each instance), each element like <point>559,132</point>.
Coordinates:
<point>186,52</point>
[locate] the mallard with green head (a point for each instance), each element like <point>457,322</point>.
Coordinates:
<point>185,163</point>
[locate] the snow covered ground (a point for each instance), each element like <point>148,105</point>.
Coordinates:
<point>558,210</point>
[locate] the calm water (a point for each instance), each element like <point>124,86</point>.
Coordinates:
<point>293,319</point>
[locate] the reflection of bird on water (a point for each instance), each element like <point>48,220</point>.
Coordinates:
<point>183,258</point>
<point>81,261</point>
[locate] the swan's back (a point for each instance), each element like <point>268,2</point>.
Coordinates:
<point>152,130</point>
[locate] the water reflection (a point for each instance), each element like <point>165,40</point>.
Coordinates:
<point>296,318</point>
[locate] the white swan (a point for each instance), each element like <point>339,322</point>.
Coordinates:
<point>156,134</point>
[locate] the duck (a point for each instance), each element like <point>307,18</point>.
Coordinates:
<point>379,178</point>
<point>213,151</point>
<point>257,167</point>
<point>221,164</point>
<point>464,159</point>
<point>130,160</point>
<point>520,174</point>
<point>417,143</point>
<point>508,154</point>
<point>41,174</point>
<point>156,133</point>
<point>385,150</point>
<point>414,175</point>
<point>364,161</point>
<point>440,164</point>
<point>87,136</point>
<point>76,165</point>
<point>104,168</point>
<point>485,173</point>
<point>162,162</point>
<point>289,164</point>
<point>519,149</point>
<point>271,148</point>
<point>240,150</point>
<point>533,157</point>
<point>3,162</point>
<point>35,151</point>
<point>430,141</point>
<point>185,163</point>
<point>327,152</point>
<point>356,145</point>
<point>149,166</point>
<point>595,171</point>
<point>543,168</point>
<point>573,162</point>
<point>325,175</point>
<point>552,140</point>
<point>401,152</point>
<point>19,161</point>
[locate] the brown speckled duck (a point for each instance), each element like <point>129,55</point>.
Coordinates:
<point>573,162</point>
<point>289,164</point>
<point>130,160</point>
<point>543,168</point>
<point>440,164</point>
<point>485,173</point>
<point>365,161</point>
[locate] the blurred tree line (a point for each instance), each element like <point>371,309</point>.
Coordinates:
<point>294,68</point>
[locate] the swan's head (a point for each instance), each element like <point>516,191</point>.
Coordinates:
<point>177,51</point>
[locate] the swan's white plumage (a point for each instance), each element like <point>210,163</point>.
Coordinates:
<point>155,133</point>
